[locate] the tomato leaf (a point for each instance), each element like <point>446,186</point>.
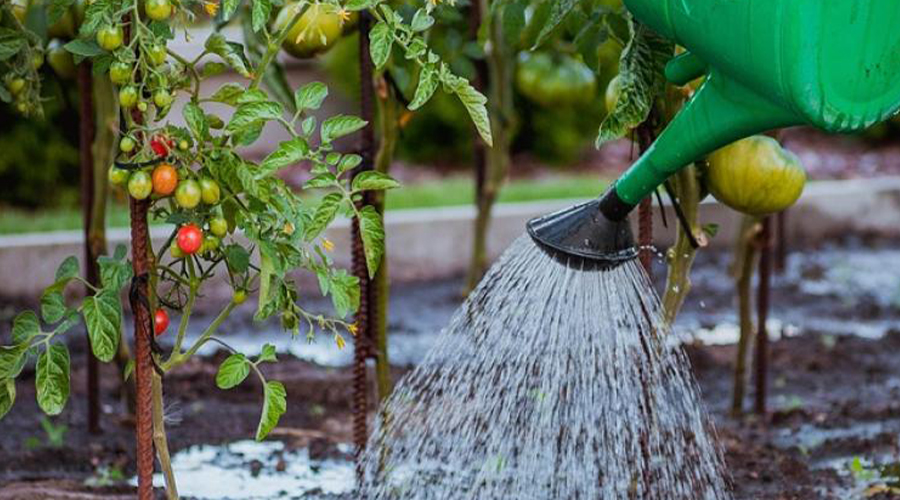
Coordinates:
<point>253,113</point>
<point>237,258</point>
<point>231,53</point>
<point>12,360</point>
<point>274,406</point>
<point>53,306</point>
<point>228,93</point>
<point>25,326</point>
<point>381,39</point>
<point>288,153</point>
<point>232,371</point>
<point>52,379</point>
<point>371,230</point>
<point>7,396</point>
<point>83,48</point>
<point>103,318</point>
<point>344,293</point>
<point>475,104</point>
<point>260,14</point>
<point>349,162</point>
<point>421,21</point>
<point>310,96</point>
<point>10,44</point>
<point>641,69</point>
<point>196,120</point>
<point>373,180</point>
<point>229,7</point>
<point>340,125</point>
<point>267,354</point>
<point>325,213</point>
<point>67,270</point>
<point>114,271</point>
<point>428,83</point>
<point>558,12</point>
<point>355,5</point>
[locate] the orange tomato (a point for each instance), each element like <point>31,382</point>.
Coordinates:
<point>165,179</point>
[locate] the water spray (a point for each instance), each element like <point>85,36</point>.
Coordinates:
<point>768,64</point>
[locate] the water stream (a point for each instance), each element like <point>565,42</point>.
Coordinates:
<point>550,382</point>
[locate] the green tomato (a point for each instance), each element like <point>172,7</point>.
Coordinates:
<point>210,244</point>
<point>156,53</point>
<point>110,37</point>
<point>755,176</point>
<point>218,226</point>
<point>128,96</point>
<point>142,107</point>
<point>126,145</point>
<point>61,60</point>
<point>175,251</point>
<point>140,185</point>
<point>158,10</point>
<point>239,297</point>
<point>315,32</point>
<point>555,79</point>
<point>162,98</point>
<point>183,145</point>
<point>15,85</point>
<point>118,176</point>
<point>120,72</point>
<point>210,191</point>
<point>188,194</point>
<point>37,60</point>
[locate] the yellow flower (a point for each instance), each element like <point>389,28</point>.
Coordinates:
<point>344,14</point>
<point>212,7</point>
<point>327,244</point>
<point>341,343</point>
<point>352,328</point>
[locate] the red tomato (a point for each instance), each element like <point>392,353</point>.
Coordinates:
<point>165,179</point>
<point>160,321</point>
<point>161,145</point>
<point>189,239</point>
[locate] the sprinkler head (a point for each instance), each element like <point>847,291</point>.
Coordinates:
<point>594,234</point>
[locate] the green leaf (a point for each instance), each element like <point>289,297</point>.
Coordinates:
<point>340,125</point>
<point>213,68</point>
<point>273,408</point>
<point>344,293</point>
<point>288,153</point>
<point>57,10</point>
<point>196,120</point>
<point>512,22</point>
<point>421,21</point>
<point>67,270</point>
<point>52,379</point>
<point>325,213</point>
<point>10,44</point>
<point>237,258</point>
<point>267,354</point>
<point>321,181</point>
<point>228,93</point>
<point>355,5</point>
<point>310,96</point>
<point>53,306</point>
<point>559,10</point>
<point>129,369</point>
<point>248,135</point>
<point>25,326</point>
<point>230,52</point>
<point>349,162</point>
<point>373,180</point>
<point>114,272</point>
<point>7,396</point>
<point>381,39</point>
<point>474,103</point>
<point>428,83</point>
<point>641,70</point>
<point>371,230</point>
<point>103,317</point>
<point>84,48</point>
<point>260,14</point>
<point>12,360</point>
<point>232,371</point>
<point>253,113</point>
<point>229,7</point>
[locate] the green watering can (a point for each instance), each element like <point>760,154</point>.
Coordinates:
<point>832,64</point>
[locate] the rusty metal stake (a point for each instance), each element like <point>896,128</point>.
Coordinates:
<point>646,134</point>
<point>86,134</point>
<point>762,315</point>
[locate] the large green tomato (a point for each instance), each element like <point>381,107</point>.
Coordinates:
<point>554,80</point>
<point>120,72</point>
<point>128,96</point>
<point>188,194</point>
<point>315,32</point>
<point>140,185</point>
<point>61,60</point>
<point>158,10</point>
<point>156,53</point>
<point>110,37</point>
<point>755,176</point>
<point>210,191</point>
<point>162,98</point>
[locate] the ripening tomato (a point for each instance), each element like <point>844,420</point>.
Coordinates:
<point>156,53</point>
<point>110,37</point>
<point>140,185</point>
<point>218,226</point>
<point>315,32</point>
<point>188,194</point>
<point>128,96</point>
<point>165,179</point>
<point>161,145</point>
<point>162,98</point>
<point>118,176</point>
<point>189,239</point>
<point>209,190</point>
<point>158,10</point>
<point>755,176</point>
<point>120,72</point>
<point>160,321</point>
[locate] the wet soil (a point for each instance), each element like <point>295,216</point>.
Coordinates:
<point>833,414</point>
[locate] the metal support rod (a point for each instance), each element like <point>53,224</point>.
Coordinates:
<point>762,313</point>
<point>143,368</point>
<point>86,134</point>
<point>646,134</point>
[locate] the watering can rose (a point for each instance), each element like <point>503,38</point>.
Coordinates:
<point>755,176</point>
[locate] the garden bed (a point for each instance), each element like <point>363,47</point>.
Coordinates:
<point>834,387</point>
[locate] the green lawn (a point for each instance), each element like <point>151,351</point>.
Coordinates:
<point>453,191</point>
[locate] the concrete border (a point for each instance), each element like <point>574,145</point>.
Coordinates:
<point>432,243</point>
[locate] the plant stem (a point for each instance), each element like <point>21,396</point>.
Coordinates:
<point>273,48</point>
<point>159,439</point>
<point>686,186</point>
<point>178,359</point>
<point>744,264</point>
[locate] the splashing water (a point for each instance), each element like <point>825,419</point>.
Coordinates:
<point>550,382</point>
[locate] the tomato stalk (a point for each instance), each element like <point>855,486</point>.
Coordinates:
<point>746,254</point>
<point>273,48</point>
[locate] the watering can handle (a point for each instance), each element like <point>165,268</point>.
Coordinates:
<point>685,68</point>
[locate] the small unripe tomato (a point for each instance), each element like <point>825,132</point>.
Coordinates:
<point>139,185</point>
<point>218,226</point>
<point>175,252</point>
<point>183,145</point>
<point>120,72</point>
<point>156,53</point>
<point>118,176</point>
<point>110,37</point>
<point>37,60</point>
<point>61,60</point>
<point>128,96</point>
<point>189,239</point>
<point>165,179</point>
<point>158,10</point>
<point>755,176</point>
<point>126,145</point>
<point>142,107</point>
<point>162,98</point>
<point>188,194</point>
<point>15,85</point>
<point>239,297</point>
<point>210,244</point>
<point>160,321</point>
<point>210,191</point>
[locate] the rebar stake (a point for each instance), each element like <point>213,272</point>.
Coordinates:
<point>646,134</point>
